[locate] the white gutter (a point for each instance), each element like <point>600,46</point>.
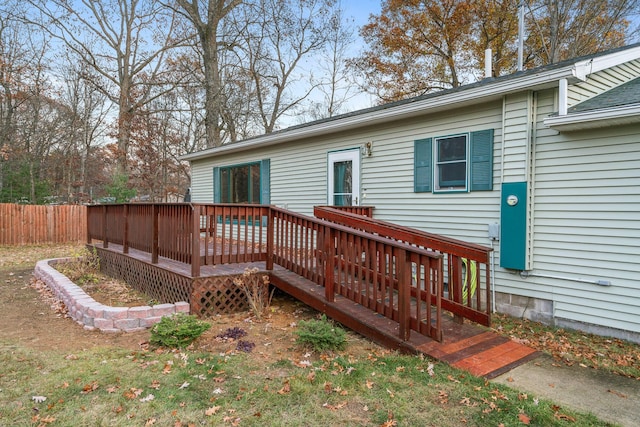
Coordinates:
<point>582,69</point>
<point>627,114</point>
<point>392,113</point>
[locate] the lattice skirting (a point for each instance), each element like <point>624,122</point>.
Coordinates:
<point>157,283</point>
<point>207,296</point>
<point>217,295</point>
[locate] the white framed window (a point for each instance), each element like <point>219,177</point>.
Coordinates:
<point>451,155</point>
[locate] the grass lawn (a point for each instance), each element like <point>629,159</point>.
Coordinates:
<point>112,387</point>
<point>362,385</point>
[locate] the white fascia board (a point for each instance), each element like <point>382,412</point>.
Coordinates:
<point>582,69</point>
<point>595,119</point>
<point>447,101</point>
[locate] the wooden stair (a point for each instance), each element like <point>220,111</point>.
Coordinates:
<point>467,346</point>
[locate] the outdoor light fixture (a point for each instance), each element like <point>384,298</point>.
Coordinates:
<point>368,146</point>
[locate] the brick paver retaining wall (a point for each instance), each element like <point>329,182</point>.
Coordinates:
<point>93,315</point>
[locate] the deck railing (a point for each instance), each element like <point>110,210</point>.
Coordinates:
<point>370,270</point>
<point>220,234</point>
<point>467,265</point>
<point>398,272</point>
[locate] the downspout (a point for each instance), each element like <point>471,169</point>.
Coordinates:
<point>531,177</point>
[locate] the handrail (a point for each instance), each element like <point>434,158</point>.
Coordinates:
<point>379,273</point>
<point>465,261</point>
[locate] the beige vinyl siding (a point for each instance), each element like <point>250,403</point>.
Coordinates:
<point>602,81</point>
<point>516,137</point>
<point>299,173</point>
<point>587,223</point>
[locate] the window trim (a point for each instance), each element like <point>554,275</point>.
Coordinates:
<point>464,187</point>
<point>264,181</point>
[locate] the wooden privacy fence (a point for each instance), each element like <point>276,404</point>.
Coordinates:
<point>37,224</point>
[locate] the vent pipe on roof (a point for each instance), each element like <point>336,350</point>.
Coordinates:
<point>520,35</point>
<point>488,66</point>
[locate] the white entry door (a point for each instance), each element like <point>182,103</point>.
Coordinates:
<point>344,178</point>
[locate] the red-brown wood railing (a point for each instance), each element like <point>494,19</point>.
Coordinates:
<point>468,271</point>
<point>370,270</point>
<point>220,234</point>
<point>358,210</point>
<point>233,233</point>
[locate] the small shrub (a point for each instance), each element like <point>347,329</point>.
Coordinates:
<point>178,330</point>
<point>83,268</point>
<point>256,290</point>
<point>321,334</point>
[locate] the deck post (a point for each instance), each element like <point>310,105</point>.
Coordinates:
<point>329,255</point>
<point>270,237</point>
<point>125,238</point>
<point>195,245</point>
<point>404,293</point>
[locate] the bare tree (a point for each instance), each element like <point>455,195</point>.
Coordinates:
<point>278,37</point>
<point>125,43</point>
<point>89,110</point>
<point>206,17</point>
<point>336,87</point>
<point>561,29</point>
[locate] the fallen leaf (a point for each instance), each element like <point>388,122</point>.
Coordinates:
<point>564,417</point>
<point>88,388</point>
<point>149,398</point>
<point>430,370</point>
<point>369,384</point>
<point>617,393</point>
<point>524,419</point>
<point>211,411</point>
<point>286,388</point>
<point>150,422</point>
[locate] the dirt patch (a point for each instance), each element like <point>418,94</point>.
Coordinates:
<point>31,316</point>
<point>37,322</point>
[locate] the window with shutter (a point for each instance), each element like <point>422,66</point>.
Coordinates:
<point>461,162</point>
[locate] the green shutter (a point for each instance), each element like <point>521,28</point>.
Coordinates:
<point>423,165</point>
<point>217,187</point>
<point>265,182</point>
<point>482,160</point>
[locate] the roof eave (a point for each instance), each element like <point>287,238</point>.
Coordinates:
<point>483,93</point>
<point>615,116</point>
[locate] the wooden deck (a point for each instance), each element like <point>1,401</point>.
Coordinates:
<point>383,281</point>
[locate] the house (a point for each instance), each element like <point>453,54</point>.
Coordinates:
<point>542,165</point>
